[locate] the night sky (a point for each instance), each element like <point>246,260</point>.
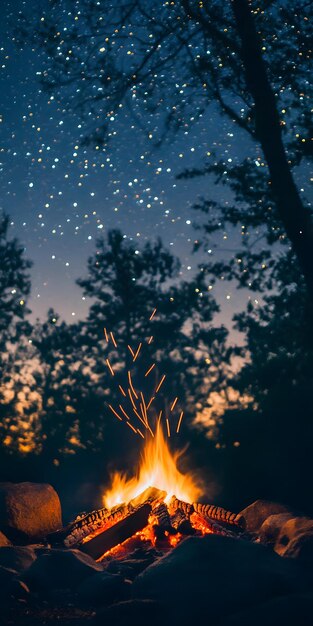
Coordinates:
<point>62,196</point>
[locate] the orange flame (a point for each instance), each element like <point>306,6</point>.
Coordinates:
<point>158,468</point>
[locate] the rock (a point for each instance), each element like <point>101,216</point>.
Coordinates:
<point>257,512</point>
<point>129,568</point>
<point>6,575</point>
<point>132,613</point>
<point>28,511</point>
<point>17,590</point>
<point>272,526</point>
<point>301,548</point>
<point>291,610</point>
<point>60,569</point>
<point>293,529</point>
<point>212,576</point>
<point>18,558</point>
<point>296,539</point>
<point>4,540</point>
<point>103,588</point>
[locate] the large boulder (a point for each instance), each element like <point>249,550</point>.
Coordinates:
<point>18,558</point>
<point>60,569</point>
<point>257,512</point>
<point>271,527</point>
<point>290,610</point>
<point>28,511</point>
<point>133,613</point>
<point>296,539</point>
<point>11,587</point>
<point>103,589</point>
<point>208,578</point>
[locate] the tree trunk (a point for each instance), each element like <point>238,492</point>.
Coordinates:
<point>295,217</point>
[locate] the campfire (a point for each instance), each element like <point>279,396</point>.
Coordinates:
<point>157,508</point>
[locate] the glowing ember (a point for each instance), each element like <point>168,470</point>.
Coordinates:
<point>158,468</point>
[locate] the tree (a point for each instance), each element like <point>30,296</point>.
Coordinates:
<point>14,285</point>
<point>14,289</point>
<point>177,58</point>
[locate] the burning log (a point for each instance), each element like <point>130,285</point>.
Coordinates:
<point>162,518</point>
<point>175,504</point>
<point>122,530</point>
<point>84,520</point>
<point>151,495</point>
<point>181,523</point>
<point>206,524</point>
<point>220,514</point>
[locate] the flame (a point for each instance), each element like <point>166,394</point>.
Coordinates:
<point>158,468</point>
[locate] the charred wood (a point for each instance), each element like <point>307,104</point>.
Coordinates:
<point>161,518</point>
<point>181,523</point>
<point>151,495</point>
<point>219,514</point>
<point>175,504</point>
<point>118,533</point>
<point>207,524</point>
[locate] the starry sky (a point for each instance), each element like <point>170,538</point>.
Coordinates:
<point>61,196</point>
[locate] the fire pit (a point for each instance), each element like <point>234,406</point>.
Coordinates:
<point>158,508</point>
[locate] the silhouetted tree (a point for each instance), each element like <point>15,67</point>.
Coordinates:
<point>14,285</point>
<point>176,58</point>
<point>14,289</point>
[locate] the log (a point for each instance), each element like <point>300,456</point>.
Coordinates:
<point>118,533</point>
<point>175,504</point>
<point>151,495</point>
<point>220,514</point>
<point>204,523</point>
<point>162,518</point>
<point>181,523</point>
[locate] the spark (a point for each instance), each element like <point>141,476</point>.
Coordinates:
<point>113,339</point>
<point>140,418</point>
<point>150,339</point>
<point>160,416</point>
<point>131,351</point>
<point>150,402</point>
<point>140,433</point>
<point>152,314</point>
<point>106,335</point>
<point>168,428</point>
<point>124,412</point>
<point>122,391</point>
<point>160,383</point>
<point>109,366</point>
<point>174,404</point>
<point>149,370</point>
<point>137,352</point>
<point>131,399</point>
<point>144,406</point>
<point>115,413</point>
<point>179,421</point>
<point>131,385</point>
<point>132,427</point>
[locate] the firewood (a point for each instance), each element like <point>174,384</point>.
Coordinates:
<point>175,504</point>
<point>204,523</point>
<point>151,495</point>
<point>220,514</point>
<point>181,523</point>
<point>162,518</point>
<point>118,533</point>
